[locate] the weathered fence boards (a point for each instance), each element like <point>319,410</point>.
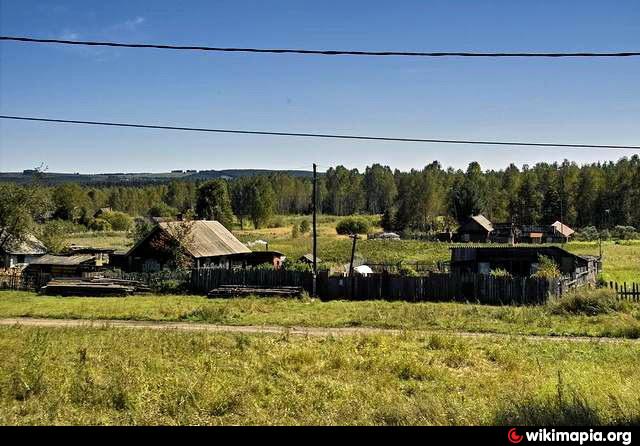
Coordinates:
<point>433,287</point>
<point>625,291</point>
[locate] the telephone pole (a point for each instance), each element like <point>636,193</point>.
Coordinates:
<point>314,206</point>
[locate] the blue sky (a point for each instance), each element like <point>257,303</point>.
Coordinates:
<point>547,100</point>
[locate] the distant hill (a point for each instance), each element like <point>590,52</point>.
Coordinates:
<point>124,179</point>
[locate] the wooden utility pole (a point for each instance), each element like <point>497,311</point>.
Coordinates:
<point>353,253</point>
<point>314,206</point>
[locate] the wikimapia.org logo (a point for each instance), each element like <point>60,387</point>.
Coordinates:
<point>581,437</point>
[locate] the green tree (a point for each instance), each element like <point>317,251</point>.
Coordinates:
<point>261,201</point>
<point>213,202</point>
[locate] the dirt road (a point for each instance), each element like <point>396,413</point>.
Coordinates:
<point>266,329</point>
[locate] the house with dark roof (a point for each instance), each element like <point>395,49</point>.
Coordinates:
<point>207,242</point>
<point>520,260</point>
<point>21,251</point>
<point>476,229</point>
<point>65,266</point>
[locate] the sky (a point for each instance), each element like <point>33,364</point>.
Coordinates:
<point>592,101</point>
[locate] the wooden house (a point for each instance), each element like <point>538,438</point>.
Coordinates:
<point>16,252</point>
<point>519,261</point>
<point>476,229</point>
<point>207,242</point>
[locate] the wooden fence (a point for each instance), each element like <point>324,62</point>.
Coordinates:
<point>432,287</point>
<point>625,291</point>
<point>16,279</point>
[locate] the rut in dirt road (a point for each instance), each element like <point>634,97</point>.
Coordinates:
<point>270,329</point>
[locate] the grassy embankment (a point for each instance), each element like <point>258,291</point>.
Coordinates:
<point>590,314</point>
<point>115,376</point>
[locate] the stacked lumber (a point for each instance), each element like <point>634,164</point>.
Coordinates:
<point>249,290</point>
<point>94,287</point>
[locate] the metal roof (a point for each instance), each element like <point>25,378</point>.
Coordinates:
<point>483,221</point>
<point>63,260</point>
<point>209,238</point>
<point>563,228</point>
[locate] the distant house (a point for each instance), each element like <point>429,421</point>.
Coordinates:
<point>15,252</point>
<point>519,261</point>
<point>477,229</point>
<point>561,231</point>
<point>100,212</point>
<point>208,243</point>
<point>308,259</point>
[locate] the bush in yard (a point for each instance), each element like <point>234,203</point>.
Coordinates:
<point>352,225</point>
<point>501,273</point>
<point>295,232</point>
<point>276,222</point>
<point>100,224</point>
<point>589,302</point>
<point>589,233</point>
<point>547,268</point>
<point>140,229</point>
<point>406,269</point>
<point>305,226</point>
<point>119,221</point>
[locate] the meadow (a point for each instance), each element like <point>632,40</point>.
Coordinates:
<point>103,376</point>
<point>588,313</point>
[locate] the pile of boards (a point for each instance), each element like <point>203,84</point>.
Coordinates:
<point>93,286</point>
<point>249,290</point>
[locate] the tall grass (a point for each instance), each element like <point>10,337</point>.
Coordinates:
<point>111,376</point>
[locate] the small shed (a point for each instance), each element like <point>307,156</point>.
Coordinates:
<point>476,229</point>
<point>561,232</point>
<point>64,266</point>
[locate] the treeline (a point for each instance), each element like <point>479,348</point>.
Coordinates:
<point>600,194</point>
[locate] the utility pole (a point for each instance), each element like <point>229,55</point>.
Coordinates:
<point>314,205</point>
<point>353,254</point>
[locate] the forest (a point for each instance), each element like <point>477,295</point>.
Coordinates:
<point>600,195</point>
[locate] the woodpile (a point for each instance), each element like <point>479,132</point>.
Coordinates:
<point>93,287</point>
<point>247,290</point>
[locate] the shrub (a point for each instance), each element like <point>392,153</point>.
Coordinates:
<point>305,226</point>
<point>277,222</point>
<point>295,232</point>
<point>588,302</point>
<point>500,272</point>
<point>119,221</point>
<point>406,269</point>
<point>589,233</point>
<point>352,226</point>
<point>100,224</point>
<point>547,268</point>
<point>162,210</point>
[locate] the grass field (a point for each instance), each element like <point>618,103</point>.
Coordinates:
<point>587,318</point>
<point>621,260</point>
<point>116,376</point>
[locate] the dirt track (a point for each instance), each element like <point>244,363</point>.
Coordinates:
<point>265,329</point>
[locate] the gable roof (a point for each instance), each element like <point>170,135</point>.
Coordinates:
<point>29,246</point>
<point>209,238</point>
<point>480,220</point>
<point>562,228</point>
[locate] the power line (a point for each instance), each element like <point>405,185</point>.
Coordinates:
<point>320,52</point>
<point>326,135</point>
